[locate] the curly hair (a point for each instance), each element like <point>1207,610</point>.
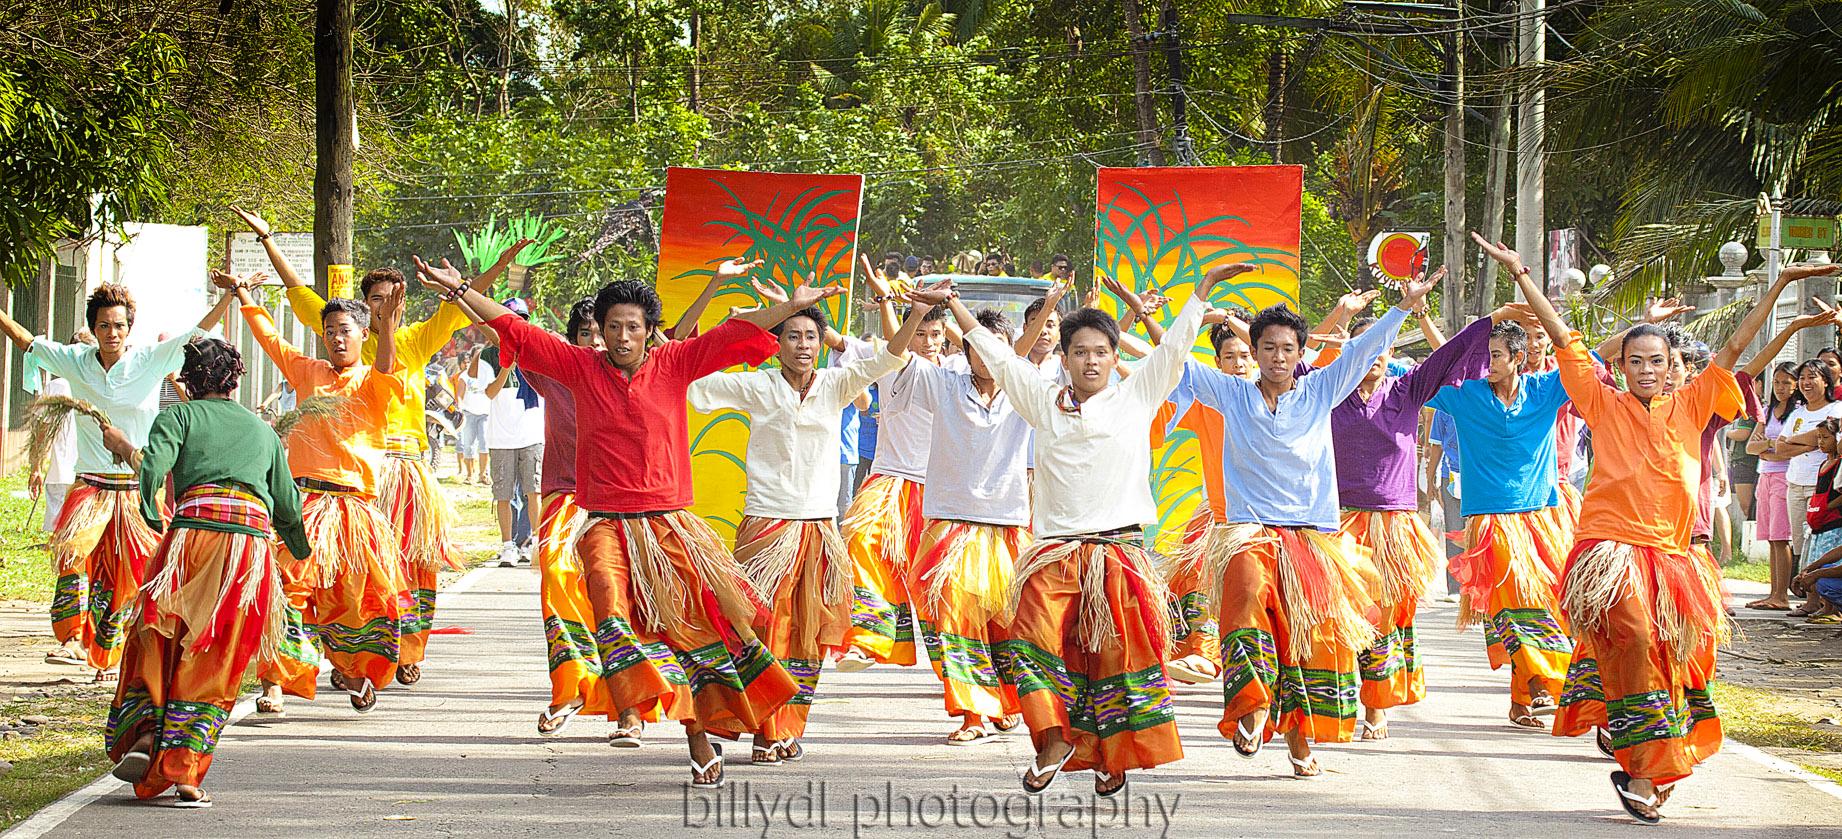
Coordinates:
<point>378,275</point>
<point>630,293</point>
<point>1514,339</point>
<point>211,366</point>
<point>107,296</point>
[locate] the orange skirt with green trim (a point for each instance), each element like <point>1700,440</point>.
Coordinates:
<point>1085,648</point>
<point>882,532</point>
<point>1192,617</point>
<point>344,598</point>
<point>1509,580</point>
<point>960,579</point>
<point>1406,555</point>
<point>100,547</point>
<point>569,618</point>
<point>801,570</point>
<point>668,599</point>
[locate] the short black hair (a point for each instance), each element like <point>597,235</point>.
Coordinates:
<point>1510,333</point>
<point>1061,257</point>
<point>1278,315</point>
<point>580,314</point>
<point>814,313</point>
<point>211,366</point>
<point>1090,319</point>
<point>938,313</point>
<point>1695,355</point>
<point>108,296</point>
<point>895,255</point>
<point>378,275</point>
<point>1220,334</point>
<point>1671,339</point>
<point>630,293</point>
<point>356,309</point>
<point>1829,351</point>
<point>1034,307</point>
<point>994,320</point>
<point>1362,324</point>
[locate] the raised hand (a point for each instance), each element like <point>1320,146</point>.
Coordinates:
<point>736,268</point>
<point>224,280</point>
<point>805,295</point>
<point>1221,273</point>
<point>392,312</point>
<point>1516,312</point>
<point>935,295</point>
<point>770,293</point>
<point>1092,299</point>
<point>444,279</point>
<point>253,221</point>
<point>510,253</point>
<point>1413,292</point>
<point>1126,296</point>
<point>1660,309</point>
<point>1353,302</point>
<point>1800,272</point>
<point>1155,301</point>
<point>1502,253</point>
<point>1212,316</point>
<point>1057,290</point>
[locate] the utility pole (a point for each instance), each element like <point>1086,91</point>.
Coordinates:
<point>1458,308</point>
<point>1531,140</point>
<point>335,144</point>
<point>1179,86</point>
<point>1149,148</point>
<point>695,80</point>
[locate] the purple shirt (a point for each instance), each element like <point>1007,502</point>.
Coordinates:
<point>559,434</point>
<point>1376,440</point>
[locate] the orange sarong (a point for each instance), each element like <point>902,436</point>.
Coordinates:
<point>1086,647</point>
<point>1648,624</point>
<point>959,581</point>
<point>668,598</point>
<point>423,520</point>
<point>344,598</point>
<point>1192,616</point>
<point>882,532</point>
<point>801,570</point>
<point>569,618</point>
<point>1509,580</point>
<point>100,548</point>
<point>1405,554</point>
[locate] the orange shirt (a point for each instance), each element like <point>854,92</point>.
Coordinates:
<point>1646,460</point>
<point>347,447</point>
<point>1206,424</point>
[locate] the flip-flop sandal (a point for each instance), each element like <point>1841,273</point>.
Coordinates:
<point>763,756</point>
<point>1009,723</point>
<point>63,657</point>
<point>1368,731</point>
<point>337,680</point>
<point>1307,768</point>
<point>1604,741</point>
<point>1631,800</point>
<point>1039,770</point>
<point>698,769</point>
<point>968,736</point>
<point>853,662</point>
<point>1825,620</point>
<point>629,737</point>
<point>1244,733</point>
<point>409,674</point>
<point>109,675</point>
<point>271,707</point>
<point>1543,706</point>
<point>1104,778</point>
<point>1765,608</point>
<point>1183,672</point>
<point>203,801</point>
<point>364,698</point>
<point>132,767</point>
<point>790,750</point>
<point>561,718</point>
<point>1527,721</point>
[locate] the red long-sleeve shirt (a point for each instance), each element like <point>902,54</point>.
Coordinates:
<point>633,452</point>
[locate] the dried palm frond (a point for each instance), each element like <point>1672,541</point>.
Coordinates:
<point>309,408</point>
<point>45,418</point>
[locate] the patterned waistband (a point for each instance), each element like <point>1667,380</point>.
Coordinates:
<point>112,483</point>
<point>223,503</point>
<point>407,448</point>
<point>324,487</point>
<point>645,515</point>
<point>1122,535</point>
<point>403,455</point>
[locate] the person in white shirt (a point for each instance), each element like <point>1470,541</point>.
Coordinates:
<point>883,526</point>
<point>1088,627</point>
<point>100,542</point>
<point>515,449</point>
<point>978,524</point>
<point>787,542</point>
<point>474,406</point>
<point>1817,383</point>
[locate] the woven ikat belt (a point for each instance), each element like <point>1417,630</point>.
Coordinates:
<point>225,504</point>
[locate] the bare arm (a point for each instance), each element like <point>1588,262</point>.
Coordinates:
<point>280,263</point>
<point>1429,328</point>
<point>20,337</point>
<point>498,382</point>
<point>1135,310</point>
<point>1033,329</point>
<point>1755,320</point>
<point>211,318</point>
<point>689,320</point>
<point>1338,318</point>
<point>391,320</point>
<point>1558,333</point>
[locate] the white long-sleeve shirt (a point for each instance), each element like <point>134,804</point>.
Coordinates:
<point>127,393</point>
<point>977,466</point>
<point>905,427</point>
<point>1093,466</point>
<point>792,456</point>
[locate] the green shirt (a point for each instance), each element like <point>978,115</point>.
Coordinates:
<point>217,441</point>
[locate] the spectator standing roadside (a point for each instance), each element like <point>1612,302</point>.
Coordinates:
<point>474,405</point>
<point>515,443</point>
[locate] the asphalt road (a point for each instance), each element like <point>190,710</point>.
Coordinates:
<point>457,755</point>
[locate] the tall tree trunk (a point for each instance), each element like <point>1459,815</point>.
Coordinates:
<point>1458,309</point>
<point>1531,142</point>
<point>695,79</point>
<point>507,48</point>
<point>1278,66</point>
<point>1179,87</point>
<point>1496,187</point>
<point>1141,86</point>
<point>335,140</point>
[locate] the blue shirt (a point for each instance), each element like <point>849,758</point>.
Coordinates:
<point>1277,466</point>
<point>866,427</point>
<point>847,436</point>
<point>1445,432</point>
<point>1512,469</point>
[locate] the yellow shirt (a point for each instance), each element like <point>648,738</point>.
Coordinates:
<point>416,344</point>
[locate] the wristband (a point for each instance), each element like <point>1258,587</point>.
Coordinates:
<point>455,295</point>
<point>262,237</point>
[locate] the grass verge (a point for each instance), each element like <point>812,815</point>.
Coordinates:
<point>1761,718</point>
<point>25,567</point>
<point>1757,572</point>
<point>59,757</point>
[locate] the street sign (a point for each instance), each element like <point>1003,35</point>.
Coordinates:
<point>248,256</point>
<point>1802,232</point>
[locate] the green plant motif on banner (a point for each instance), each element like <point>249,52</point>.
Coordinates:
<point>1175,482</point>
<point>482,248</point>
<point>1136,247</point>
<point>724,527</point>
<point>796,242</point>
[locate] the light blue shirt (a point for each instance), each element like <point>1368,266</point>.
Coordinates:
<point>1511,467</point>
<point>1278,467</point>
<point>127,393</point>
